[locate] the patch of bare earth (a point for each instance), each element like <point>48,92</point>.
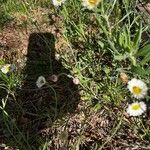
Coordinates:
<point>15,35</point>
<point>108,128</point>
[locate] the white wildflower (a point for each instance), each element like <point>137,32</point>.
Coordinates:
<point>136,108</point>
<point>90,4</point>
<point>40,81</point>
<point>138,88</point>
<point>58,2</point>
<point>7,68</point>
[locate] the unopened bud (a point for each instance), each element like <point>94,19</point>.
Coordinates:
<point>76,81</point>
<point>57,56</point>
<point>124,77</point>
<point>54,78</point>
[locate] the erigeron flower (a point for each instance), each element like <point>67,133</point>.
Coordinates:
<point>7,68</point>
<point>58,2</point>
<point>138,88</point>
<point>40,81</point>
<point>90,4</point>
<point>136,108</point>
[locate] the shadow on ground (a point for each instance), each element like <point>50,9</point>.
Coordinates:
<point>39,108</point>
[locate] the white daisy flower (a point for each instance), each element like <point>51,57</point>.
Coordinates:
<point>90,4</point>
<point>138,88</point>
<point>58,2</point>
<point>136,108</point>
<point>40,81</point>
<point>7,68</point>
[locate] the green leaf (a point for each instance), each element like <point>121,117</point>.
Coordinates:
<point>121,39</point>
<point>144,51</point>
<point>137,37</point>
<point>120,57</point>
<point>2,62</point>
<point>128,38</point>
<point>146,59</point>
<point>141,71</point>
<point>101,44</point>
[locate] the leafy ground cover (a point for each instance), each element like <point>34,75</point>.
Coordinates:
<point>87,58</point>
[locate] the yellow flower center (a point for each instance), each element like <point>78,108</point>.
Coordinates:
<point>135,106</point>
<point>92,2</point>
<point>136,90</point>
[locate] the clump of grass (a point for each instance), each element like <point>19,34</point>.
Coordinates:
<point>4,18</point>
